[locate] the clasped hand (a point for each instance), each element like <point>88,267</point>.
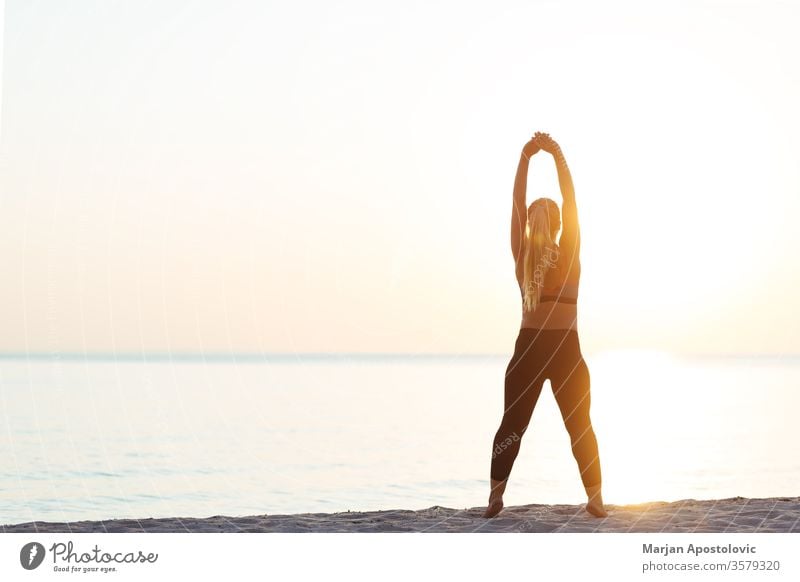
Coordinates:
<point>540,141</point>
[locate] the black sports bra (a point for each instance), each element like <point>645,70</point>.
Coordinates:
<point>561,299</point>
<point>568,293</point>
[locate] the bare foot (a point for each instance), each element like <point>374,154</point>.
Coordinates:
<point>495,507</point>
<point>497,488</point>
<point>595,503</point>
<point>596,509</point>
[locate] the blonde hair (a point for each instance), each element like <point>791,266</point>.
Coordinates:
<point>541,252</point>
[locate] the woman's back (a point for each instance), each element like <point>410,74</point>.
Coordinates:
<point>558,307</point>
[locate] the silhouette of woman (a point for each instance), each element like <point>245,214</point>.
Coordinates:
<point>547,346</point>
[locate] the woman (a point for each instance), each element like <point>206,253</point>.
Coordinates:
<point>547,346</point>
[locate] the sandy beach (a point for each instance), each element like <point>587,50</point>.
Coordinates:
<point>736,514</point>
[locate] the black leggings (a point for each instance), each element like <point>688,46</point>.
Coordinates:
<point>541,354</point>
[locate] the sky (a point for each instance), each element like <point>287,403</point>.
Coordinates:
<point>336,176</point>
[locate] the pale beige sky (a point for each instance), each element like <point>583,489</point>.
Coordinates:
<point>304,176</point>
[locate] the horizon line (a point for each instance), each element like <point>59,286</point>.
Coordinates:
<point>145,356</point>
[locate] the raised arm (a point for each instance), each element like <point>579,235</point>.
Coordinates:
<point>570,240</point>
<point>519,209</point>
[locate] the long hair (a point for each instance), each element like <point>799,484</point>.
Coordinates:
<point>541,252</point>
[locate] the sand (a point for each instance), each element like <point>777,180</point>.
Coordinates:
<point>736,514</point>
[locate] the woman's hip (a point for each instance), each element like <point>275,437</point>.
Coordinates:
<point>540,347</point>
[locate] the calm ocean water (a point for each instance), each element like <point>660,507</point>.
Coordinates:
<point>102,439</point>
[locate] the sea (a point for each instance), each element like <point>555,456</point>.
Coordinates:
<point>88,437</point>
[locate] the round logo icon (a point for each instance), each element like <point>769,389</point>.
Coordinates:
<point>31,555</point>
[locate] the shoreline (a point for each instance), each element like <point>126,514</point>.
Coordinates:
<point>733,514</point>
